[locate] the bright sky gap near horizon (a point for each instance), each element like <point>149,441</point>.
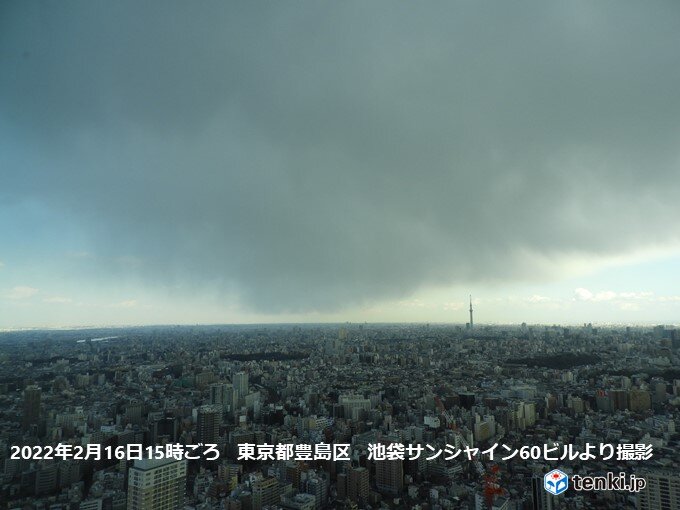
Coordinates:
<point>232,162</point>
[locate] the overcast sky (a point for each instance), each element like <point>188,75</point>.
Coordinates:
<point>186,162</point>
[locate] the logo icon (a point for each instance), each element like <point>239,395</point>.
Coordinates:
<point>556,482</point>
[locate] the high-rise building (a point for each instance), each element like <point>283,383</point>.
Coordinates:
<point>341,484</point>
<point>46,479</point>
<point>618,399</point>
<point>389,476</point>
<point>230,474</point>
<point>69,472</point>
<point>292,472</point>
<point>485,428</point>
<point>157,484</point>
<point>318,486</point>
<point>240,382</point>
<point>467,400</point>
<point>31,407</point>
<point>357,484</point>
<point>639,400</point>
<point>208,421</point>
<point>541,499</point>
<point>134,413</point>
<point>354,405</point>
<point>224,395</point>
<point>662,491</point>
<point>266,491</point>
<point>164,429</point>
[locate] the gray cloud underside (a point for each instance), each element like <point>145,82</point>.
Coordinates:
<point>312,155</point>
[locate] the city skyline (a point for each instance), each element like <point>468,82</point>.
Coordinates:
<point>340,417</point>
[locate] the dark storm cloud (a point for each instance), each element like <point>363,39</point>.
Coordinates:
<point>311,155</point>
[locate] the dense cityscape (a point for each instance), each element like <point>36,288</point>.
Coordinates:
<point>238,243</point>
<point>356,384</point>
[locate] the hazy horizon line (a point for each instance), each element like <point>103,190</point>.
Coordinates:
<point>478,325</point>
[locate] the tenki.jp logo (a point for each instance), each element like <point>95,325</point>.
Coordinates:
<point>556,482</point>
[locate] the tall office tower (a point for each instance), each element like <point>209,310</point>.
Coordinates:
<point>662,491</point>
<point>208,421</point>
<point>224,395</point>
<point>389,476</point>
<point>357,484</point>
<point>472,324</point>
<point>31,411</point>
<point>541,499</point>
<point>266,491</point>
<point>157,484</point>
<point>240,382</point>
